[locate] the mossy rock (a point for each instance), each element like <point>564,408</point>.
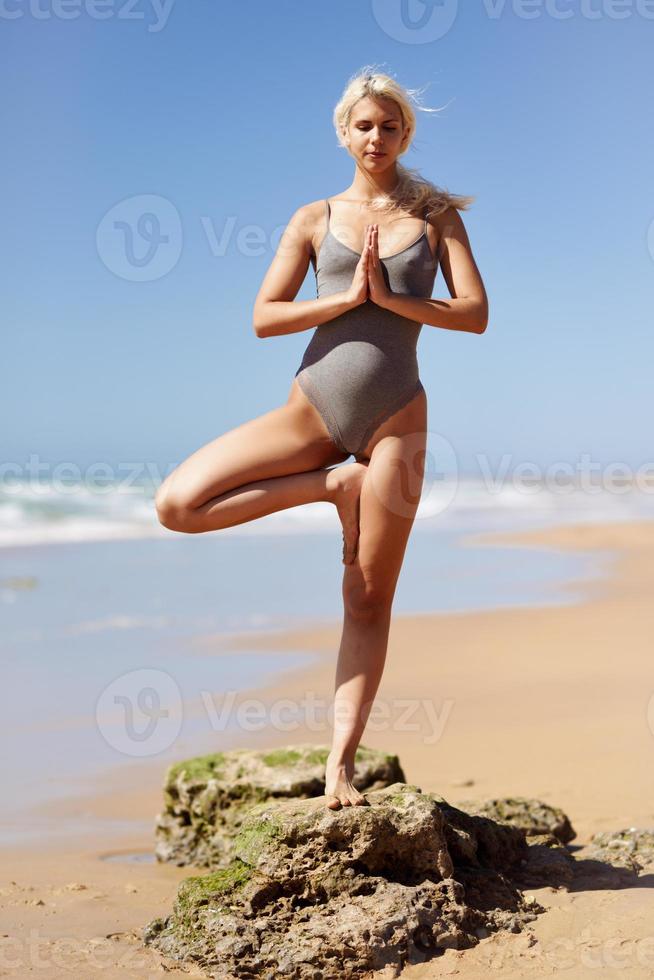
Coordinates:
<point>207,797</point>
<point>631,848</point>
<point>318,893</point>
<point>532,816</point>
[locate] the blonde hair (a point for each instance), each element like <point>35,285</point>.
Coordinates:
<point>413,192</point>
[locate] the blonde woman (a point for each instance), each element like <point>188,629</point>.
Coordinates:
<point>375,250</point>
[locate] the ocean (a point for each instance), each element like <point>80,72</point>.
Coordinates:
<point>108,618</point>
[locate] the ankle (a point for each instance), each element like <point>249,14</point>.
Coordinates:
<point>332,484</point>
<point>340,760</point>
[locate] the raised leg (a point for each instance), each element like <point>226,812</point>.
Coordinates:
<point>270,463</point>
<point>390,495</point>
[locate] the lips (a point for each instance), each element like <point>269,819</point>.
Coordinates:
<point>376,154</point>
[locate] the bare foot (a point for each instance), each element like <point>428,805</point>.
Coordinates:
<point>345,483</point>
<point>338,785</point>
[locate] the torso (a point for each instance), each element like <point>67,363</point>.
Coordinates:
<point>348,223</point>
<point>360,368</point>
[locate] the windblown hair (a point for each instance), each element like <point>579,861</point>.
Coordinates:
<point>413,192</point>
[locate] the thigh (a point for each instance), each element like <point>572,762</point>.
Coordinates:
<point>289,439</point>
<point>390,495</point>
<point>412,418</point>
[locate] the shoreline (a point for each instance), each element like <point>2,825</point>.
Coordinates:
<point>140,782</point>
<point>549,701</point>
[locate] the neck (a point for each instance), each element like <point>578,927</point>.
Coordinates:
<point>366,186</point>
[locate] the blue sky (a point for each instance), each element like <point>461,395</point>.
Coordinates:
<point>224,111</point>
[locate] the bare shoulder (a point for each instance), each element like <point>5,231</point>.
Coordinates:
<point>305,223</point>
<point>448,223</point>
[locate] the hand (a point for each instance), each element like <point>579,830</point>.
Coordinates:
<point>379,291</point>
<point>358,291</point>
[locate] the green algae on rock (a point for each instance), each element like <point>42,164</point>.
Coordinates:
<point>207,797</point>
<point>531,815</point>
<point>334,894</point>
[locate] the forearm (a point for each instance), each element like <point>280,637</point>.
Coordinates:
<point>469,315</point>
<point>276,318</point>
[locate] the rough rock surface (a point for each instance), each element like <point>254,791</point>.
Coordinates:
<point>632,849</point>
<point>324,894</point>
<point>207,797</point>
<point>533,816</point>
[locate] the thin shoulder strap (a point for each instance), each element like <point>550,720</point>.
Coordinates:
<point>425,216</point>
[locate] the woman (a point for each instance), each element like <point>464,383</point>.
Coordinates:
<point>357,391</point>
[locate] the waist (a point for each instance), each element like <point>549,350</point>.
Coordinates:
<point>348,352</point>
<point>373,322</point>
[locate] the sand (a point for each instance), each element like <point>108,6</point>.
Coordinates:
<point>551,702</point>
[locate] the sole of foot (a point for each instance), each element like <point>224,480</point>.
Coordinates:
<point>346,482</point>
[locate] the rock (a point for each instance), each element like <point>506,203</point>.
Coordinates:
<point>532,816</point>
<point>480,841</point>
<point>303,839</point>
<point>324,894</point>
<point>548,862</point>
<point>207,797</point>
<point>632,849</point>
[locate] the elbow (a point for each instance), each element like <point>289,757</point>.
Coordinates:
<point>259,322</point>
<point>265,320</point>
<point>480,321</point>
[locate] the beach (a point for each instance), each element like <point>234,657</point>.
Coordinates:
<point>548,701</point>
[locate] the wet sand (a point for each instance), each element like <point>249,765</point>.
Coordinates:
<point>551,702</point>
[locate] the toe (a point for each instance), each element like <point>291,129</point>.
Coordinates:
<point>333,802</point>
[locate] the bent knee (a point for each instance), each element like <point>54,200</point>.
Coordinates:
<point>172,512</point>
<point>368,602</point>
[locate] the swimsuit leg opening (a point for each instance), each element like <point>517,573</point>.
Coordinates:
<point>322,407</point>
<point>401,402</point>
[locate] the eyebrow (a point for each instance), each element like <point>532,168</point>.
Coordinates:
<point>388,119</point>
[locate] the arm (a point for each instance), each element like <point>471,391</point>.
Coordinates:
<point>468,309</point>
<point>275,310</point>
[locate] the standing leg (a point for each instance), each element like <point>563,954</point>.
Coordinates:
<point>390,495</point>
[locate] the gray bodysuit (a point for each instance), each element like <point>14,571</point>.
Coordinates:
<point>362,367</point>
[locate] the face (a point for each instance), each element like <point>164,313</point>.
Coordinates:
<point>375,127</point>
